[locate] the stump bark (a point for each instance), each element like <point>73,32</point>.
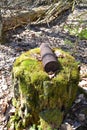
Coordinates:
<point>41,101</point>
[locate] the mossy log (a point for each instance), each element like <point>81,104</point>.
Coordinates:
<point>42,101</point>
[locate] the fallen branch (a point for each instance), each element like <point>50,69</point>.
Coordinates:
<point>54,10</point>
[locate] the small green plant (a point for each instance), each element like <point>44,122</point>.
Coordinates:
<point>68,42</point>
<point>83,34</point>
<point>33,127</point>
<point>72,29</point>
<point>77,31</point>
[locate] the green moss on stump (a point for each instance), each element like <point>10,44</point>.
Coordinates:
<point>43,101</point>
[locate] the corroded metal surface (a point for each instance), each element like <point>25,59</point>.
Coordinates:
<point>49,59</point>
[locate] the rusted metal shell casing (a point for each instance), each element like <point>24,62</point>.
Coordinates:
<point>49,59</point>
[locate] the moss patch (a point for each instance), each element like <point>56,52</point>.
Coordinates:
<point>51,119</point>
<point>43,101</point>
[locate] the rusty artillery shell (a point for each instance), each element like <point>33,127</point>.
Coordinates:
<point>48,57</point>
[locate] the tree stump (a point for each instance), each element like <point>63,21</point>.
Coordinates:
<point>40,99</point>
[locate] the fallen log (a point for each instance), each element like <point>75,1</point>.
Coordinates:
<point>21,18</point>
<point>38,15</point>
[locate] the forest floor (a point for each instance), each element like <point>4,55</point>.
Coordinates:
<point>57,35</point>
